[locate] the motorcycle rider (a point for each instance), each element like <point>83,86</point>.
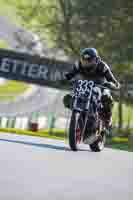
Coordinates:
<point>91,67</point>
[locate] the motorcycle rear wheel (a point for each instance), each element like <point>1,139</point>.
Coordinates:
<point>98,145</point>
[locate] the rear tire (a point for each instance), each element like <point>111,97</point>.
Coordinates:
<point>74,131</point>
<point>98,145</point>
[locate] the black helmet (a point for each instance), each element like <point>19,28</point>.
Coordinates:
<point>89,53</point>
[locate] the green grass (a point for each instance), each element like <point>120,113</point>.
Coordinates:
<point>3,44</point>
<point>120,146</point>
<point>119,143</point>
<point>120,139</point>
<point>11,89</point>
<point>41,133</point>
<point>127,113</point>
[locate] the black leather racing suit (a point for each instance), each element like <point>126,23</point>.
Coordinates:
<point>101,74</point>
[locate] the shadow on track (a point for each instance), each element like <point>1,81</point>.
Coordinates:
<point>50,146</point>
<point>42,145</point>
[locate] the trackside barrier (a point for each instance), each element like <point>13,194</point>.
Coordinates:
<point>40,123</point>
<point>11,122</point>
<point>4,122</point>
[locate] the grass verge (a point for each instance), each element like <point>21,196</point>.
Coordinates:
<point>119,146</point>
<point>120,143</point>
<point>43,133</point>
<point>11,89</point>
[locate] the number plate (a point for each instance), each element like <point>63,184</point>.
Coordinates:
<point>82,92</point>
<point>83,87</point>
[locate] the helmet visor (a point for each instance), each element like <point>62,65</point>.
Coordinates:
<point>87,57</point>
<point>87,61</point>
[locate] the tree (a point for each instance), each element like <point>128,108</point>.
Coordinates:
<point>74,24</point>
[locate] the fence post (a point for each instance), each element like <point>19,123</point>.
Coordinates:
<point>51,123</point>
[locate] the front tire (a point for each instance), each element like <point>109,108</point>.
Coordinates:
<point>74,131</point>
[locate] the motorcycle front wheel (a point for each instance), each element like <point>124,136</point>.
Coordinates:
<point>74,131</point>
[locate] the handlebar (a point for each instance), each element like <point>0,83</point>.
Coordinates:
<point>105,85</point>
<point>109,85</point>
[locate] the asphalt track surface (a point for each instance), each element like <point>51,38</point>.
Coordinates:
<point>33,168</point>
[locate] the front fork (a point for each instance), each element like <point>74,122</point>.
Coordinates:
<point>83,122</point>
<point>85,125</point>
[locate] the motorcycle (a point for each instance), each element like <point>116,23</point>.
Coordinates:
<point>86,126</point>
